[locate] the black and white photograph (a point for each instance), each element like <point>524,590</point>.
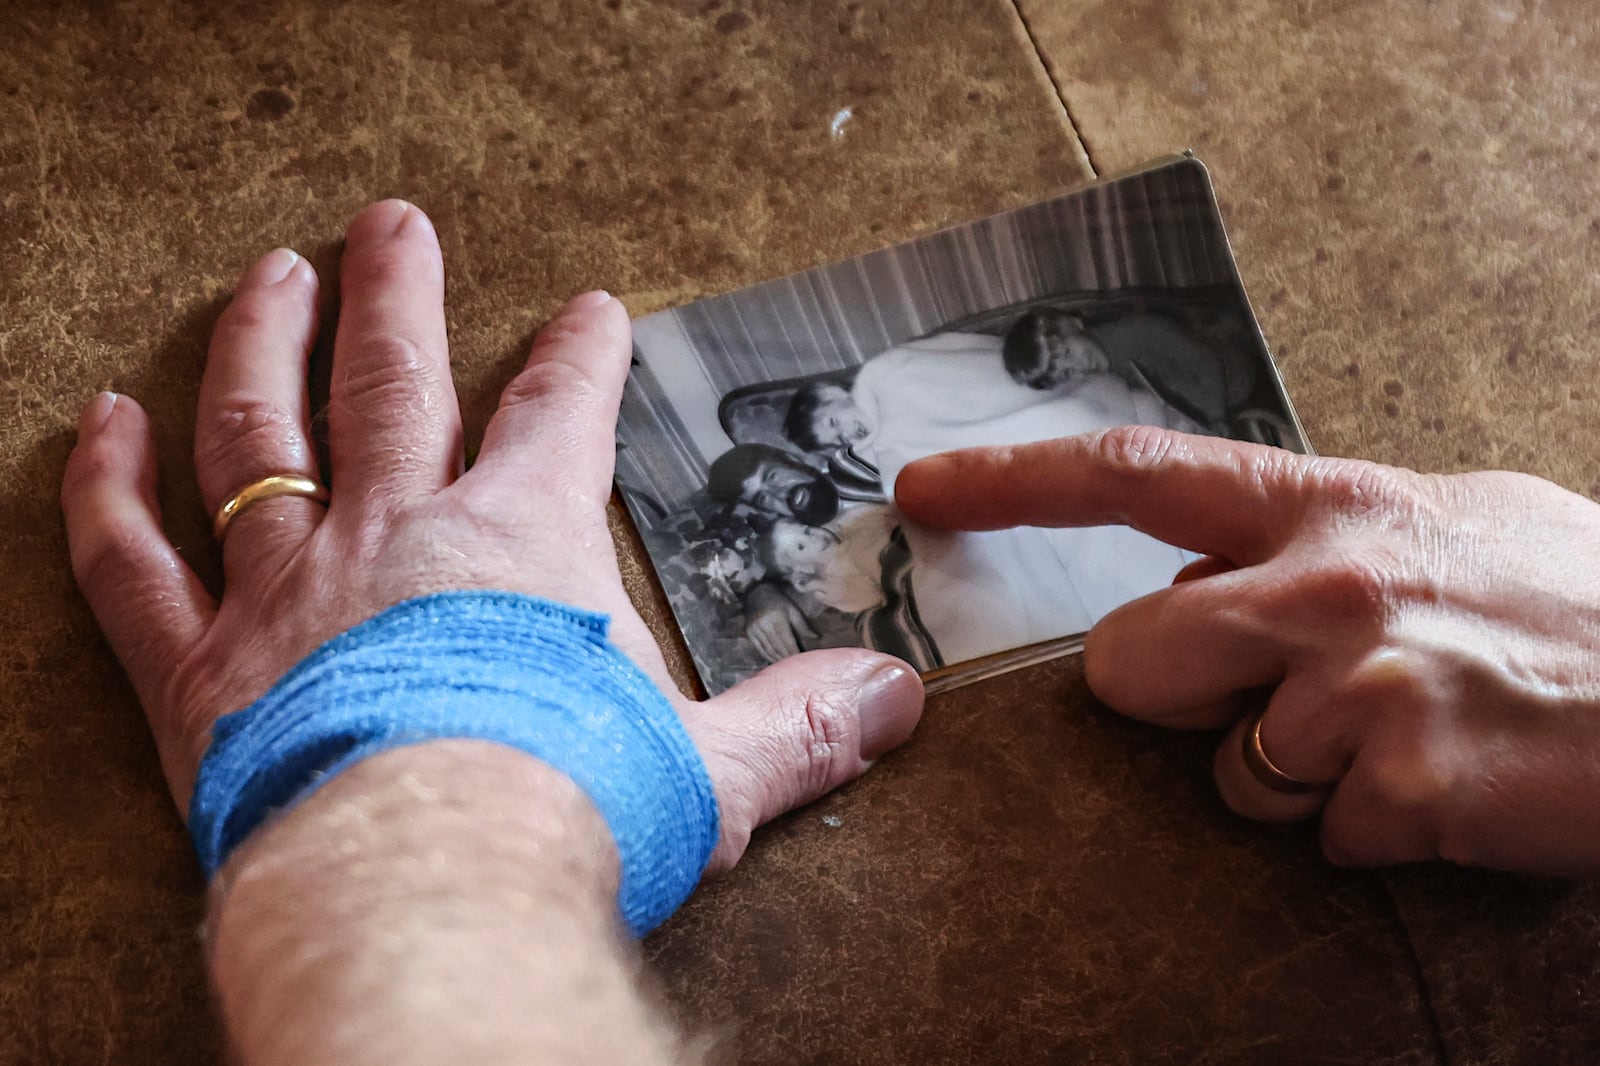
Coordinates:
<point>762,431</point>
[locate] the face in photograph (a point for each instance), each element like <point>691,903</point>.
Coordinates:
<point>793,548</point>
<point>773,483</point>
<point>824,417</point>
<point>1048,349</point>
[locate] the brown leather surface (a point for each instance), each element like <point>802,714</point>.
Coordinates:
<point>1031,879</point>
<point>1411,191</point>
<point>1034,880</point>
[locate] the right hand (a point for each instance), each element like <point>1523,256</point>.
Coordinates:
<point>1431,643</point>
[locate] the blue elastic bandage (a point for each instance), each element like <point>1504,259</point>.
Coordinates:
<point>531,674</point>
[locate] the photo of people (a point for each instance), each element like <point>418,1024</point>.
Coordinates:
<point>763,431</point>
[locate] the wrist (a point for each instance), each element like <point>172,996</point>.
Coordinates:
<point>451,866</point>
<point>534,675</point>
<point>435,794</point>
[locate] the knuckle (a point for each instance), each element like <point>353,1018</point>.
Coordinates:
<point>383,355</point>
<point>243,426</point>
<point>1390,679</point>
<point>828,730</point>
<point>1132,451</point>
<point>1266,469</point>
<point>388,373</point>
<point>1359,490</point>
<point>1126,459</point>
<point>1413,788</point>
<point>547,382</point>
<point>104,557</point>
<point>1350,587</point>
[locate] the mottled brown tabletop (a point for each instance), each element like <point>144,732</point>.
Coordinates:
<point>1411,190</point>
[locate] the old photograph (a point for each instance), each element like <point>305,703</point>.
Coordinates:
<point>762,431</point>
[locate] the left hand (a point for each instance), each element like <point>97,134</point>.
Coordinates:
<point>1431,644</point>
<point>406,519</point>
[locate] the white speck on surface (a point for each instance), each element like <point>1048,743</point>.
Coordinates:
<point>836,127</point>
<point>832,821</point>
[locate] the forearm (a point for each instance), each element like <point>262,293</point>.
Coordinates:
<point>448,902</point>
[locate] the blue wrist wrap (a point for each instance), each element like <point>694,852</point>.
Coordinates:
<point>534,675</point>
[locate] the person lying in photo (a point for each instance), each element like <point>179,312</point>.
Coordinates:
<point>1054,349</point>
<point>951,390</point>
<point>954,390</point>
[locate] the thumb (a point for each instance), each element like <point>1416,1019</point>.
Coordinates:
<point>796,731</point>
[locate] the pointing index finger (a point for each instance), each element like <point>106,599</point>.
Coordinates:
<point>1207,494</point>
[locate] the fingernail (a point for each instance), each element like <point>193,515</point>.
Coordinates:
<point>275,266</point>
<point>97,413</point>
<point>381,220</point>
<point>586,302</point>
<point>395,212</point>
<point>889,706</point>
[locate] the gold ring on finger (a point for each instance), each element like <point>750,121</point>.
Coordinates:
<point>266,488</point>
<point>1265,770</point>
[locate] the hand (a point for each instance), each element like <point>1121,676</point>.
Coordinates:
<point>775,624</point>
<point>405,520</point>
<point>1431,643</point>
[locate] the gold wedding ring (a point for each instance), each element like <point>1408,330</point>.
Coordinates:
<point>266,488</point>
<point>1265,770</point>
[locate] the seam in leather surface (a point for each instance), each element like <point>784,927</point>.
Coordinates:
<point>1430,1016</point>
<point>1055,83</point>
